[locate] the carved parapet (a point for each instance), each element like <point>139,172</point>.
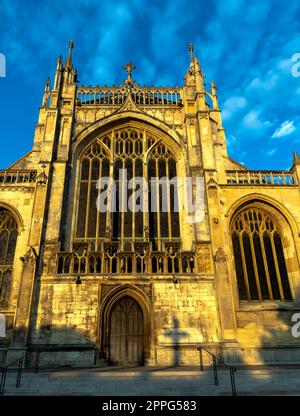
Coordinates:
<point>116,96</point>
<point>14,177</point>
<point>111,261</point>
<point>258,178</point>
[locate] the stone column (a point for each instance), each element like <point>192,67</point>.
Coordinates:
<point>29,259</point>
<point>223,285</point>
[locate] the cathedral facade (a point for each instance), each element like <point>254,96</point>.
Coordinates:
<point>84,286</point>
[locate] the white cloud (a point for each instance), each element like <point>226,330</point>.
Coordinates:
<point>287,127</point>
<point>271,152</point>
<point>252,120</point>
<point>232,105</point>
<point>266,84</point>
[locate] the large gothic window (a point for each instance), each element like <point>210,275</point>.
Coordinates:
<point>122,155</point>
<point>259,257</point>
<point>164,220</point>
<point>8,239</point>
<point>91,222</point>
<point>128,153</point>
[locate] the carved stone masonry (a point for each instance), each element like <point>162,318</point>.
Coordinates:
<point>212,184</point>
<point>50,257</point>
<point>220,256</point>
<point>30,256</point>
<point>203,258</point>
<point>204,114</point>
<point>42,177</point>
<point>106,289</point>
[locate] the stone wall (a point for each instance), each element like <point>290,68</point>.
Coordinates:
<point>184,315</point>
<point>67,313</point>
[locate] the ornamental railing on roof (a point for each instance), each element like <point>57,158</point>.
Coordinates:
<point>116,96</point>
<point>263,177</point>
<point>17,176</point>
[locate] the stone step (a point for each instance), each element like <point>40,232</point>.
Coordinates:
<point>143,381</point>
<point>162,373</point>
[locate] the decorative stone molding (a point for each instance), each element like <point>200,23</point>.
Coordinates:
<point>106,289</point>
<point>18,188</point>
<point>129,105</point>
<point>212,184</point>
<point>51,113</point>
<point>50,257</point>
<point>30,256</point>
<point>220,256</point>
<point>42,177</point>
<point>203,115</point>
<point>203,258</point>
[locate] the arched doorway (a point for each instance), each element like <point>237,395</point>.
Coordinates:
<point>126,332</point>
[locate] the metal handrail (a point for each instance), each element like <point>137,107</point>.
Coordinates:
<point>232,380</point>
<point>214,358</point>
<point>4,369</point>
<point>232,369</point>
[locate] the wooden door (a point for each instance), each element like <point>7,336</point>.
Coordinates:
<point>126,332</point>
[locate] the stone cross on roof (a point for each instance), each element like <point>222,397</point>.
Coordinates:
<point>129,67</point>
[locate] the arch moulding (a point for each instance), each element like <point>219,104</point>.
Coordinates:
<point>15,213</point>
<point>101,126</point>
<point>231,211</point>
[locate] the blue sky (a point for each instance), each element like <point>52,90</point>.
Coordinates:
<point>245,47</point>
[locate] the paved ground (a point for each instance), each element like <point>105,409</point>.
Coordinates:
<point>141,381</point>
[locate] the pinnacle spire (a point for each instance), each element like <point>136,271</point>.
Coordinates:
<point>46,93</point>
<point>69,64</point>
<point>59,62</point>
<point>191,49</point>
<point>296,158</point>
<point>213,88</point>
<point>47,86</point>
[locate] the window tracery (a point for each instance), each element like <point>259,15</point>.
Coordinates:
<point>122,155</point>
<point>259,257</point>
<point>8,240</point>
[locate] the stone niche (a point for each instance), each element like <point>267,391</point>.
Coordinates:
<point>204,258</point>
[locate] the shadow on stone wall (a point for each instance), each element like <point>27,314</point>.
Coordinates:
<point>62,347</point>
<point>175,334</point>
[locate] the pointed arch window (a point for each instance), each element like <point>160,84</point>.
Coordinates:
<point>8,240</point>
<point>123,152</point>
<point>259,257</point>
